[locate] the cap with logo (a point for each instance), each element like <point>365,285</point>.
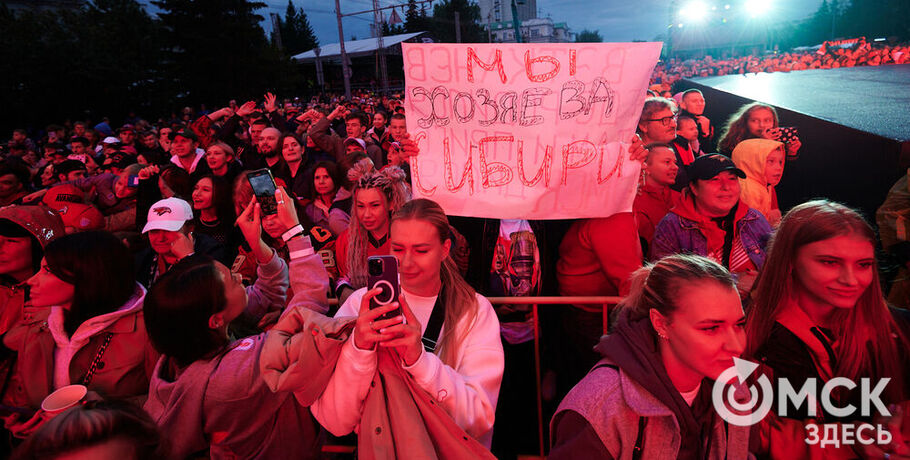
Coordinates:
<point>168,214</point>
<point>69,202</point>
<point>707,166</point>
<point>185,132</point>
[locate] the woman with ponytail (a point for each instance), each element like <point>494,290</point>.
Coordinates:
<point>818,313</point>
<point>462,370</point>
<point>677,331</point>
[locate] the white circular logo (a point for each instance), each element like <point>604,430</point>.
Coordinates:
<point>724,401</point>
<point>386,289</point>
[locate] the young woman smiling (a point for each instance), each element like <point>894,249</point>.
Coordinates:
<point>677,331</point>
<point>214,210</point>
<point>462,371</point>
<point>819,313</point>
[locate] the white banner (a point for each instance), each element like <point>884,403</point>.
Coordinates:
<point>530,131</point>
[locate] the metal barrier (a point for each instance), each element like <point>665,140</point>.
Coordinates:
<point>604,301</point>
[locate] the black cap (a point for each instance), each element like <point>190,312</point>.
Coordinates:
<point>185,132</point>
<point>707,166</point>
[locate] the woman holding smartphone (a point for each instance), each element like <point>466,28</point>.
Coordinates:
<point>462,371</point>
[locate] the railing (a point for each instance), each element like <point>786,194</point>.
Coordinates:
<point>604,301</point>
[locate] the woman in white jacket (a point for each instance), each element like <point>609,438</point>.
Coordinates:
<point>462,370</point>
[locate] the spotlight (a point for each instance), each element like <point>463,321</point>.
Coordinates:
<point>695,11</point>
<point>757,8</point>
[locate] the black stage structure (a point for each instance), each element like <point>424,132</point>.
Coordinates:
<point>854,124</point>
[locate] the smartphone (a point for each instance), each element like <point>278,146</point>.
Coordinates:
<point>383,273</point>
<point>264,188</point>
<point>786,134</point>
<point>132,181</point>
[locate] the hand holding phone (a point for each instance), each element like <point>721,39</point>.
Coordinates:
<point>383,274</point>
<point>264,188</point>
<point>787,134</point>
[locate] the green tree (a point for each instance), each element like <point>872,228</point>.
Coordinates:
<point>443,22</point>
<point>216,50</point>
<point>415,19</point>
<point>297,34</point>
<point>76,64</point>
<point>588,36</point>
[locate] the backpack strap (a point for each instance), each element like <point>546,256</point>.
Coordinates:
<point>642,421</point>
<point>640,439</point>
<point>434,324</point>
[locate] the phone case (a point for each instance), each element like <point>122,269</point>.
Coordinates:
<point>266,201</point>
<point>388,282</point>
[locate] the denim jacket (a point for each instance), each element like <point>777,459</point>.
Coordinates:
<point>676,234</point>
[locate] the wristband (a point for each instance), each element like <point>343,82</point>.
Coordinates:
<point>292,232</point>
<point>301,253</point>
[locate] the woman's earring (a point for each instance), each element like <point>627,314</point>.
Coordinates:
<point>661,335</point>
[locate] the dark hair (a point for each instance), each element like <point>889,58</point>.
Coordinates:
<point>16,168</point>
<point>296,138</point>
<point>385,115</point>
<point>360,116</point>
<point>260,121</point>
<point>221,198</point>
<point>191,291</point>
<point>80,140</point>
<point>178,180</point>
<point>100,267</point>
<point>684,117</point>
<point>331,168</point>
<point>10,229</point>
<point>397,116</point>
<point>67,166</point>
<point>90,424</point>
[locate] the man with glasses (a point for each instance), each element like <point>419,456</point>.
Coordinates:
<point>657,125</point>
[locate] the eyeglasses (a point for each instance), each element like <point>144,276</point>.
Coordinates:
<point>666,121</point>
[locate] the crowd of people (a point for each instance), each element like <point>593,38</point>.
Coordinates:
<point>140,261</point>
<point>830,55</point>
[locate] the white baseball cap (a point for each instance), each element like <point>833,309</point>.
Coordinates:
<point>168,214</point>
<point>110,140</point>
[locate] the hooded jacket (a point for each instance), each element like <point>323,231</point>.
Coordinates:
<point>44,351</point>
<point>683,229</point>
<point>45,226</point>
<point>628,401</point>
<point>751,155</point>
<point>223,405</point>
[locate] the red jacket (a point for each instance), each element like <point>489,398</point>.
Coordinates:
<point>597,256</point>
<point>652,203</point>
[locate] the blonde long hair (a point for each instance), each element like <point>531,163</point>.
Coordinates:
<point>459,297</point>
<point>390,182</point>
<point>865,332</point>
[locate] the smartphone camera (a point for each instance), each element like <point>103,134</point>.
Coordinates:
<point>374,267</point>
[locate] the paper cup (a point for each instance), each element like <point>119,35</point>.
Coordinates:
<point>63,398</point>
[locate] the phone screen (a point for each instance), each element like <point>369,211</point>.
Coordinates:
<point>264,189</point>
<point>263,185</point>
